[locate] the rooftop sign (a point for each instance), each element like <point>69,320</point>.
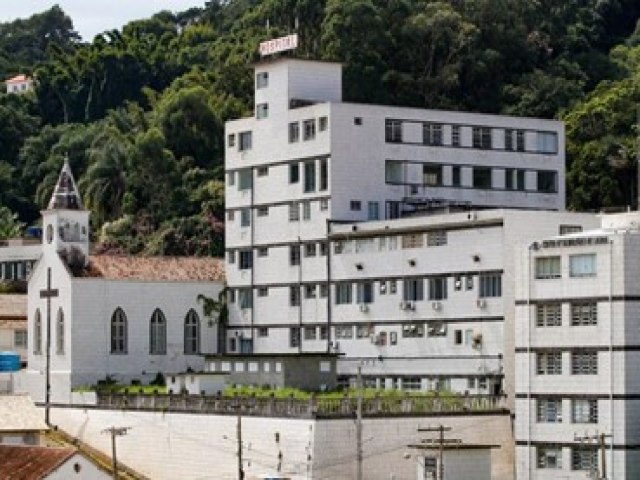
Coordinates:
<point>275,45</point>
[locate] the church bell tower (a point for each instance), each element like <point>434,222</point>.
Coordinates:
<point>66,223</point>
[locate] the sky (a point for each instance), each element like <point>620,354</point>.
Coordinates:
<point>91,17</point>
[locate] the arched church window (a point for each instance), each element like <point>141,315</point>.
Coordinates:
<point>158,333</point>
<point>118,331</point>
<point>192,333</point>
<point>37,333</point>
<point>60,332</point>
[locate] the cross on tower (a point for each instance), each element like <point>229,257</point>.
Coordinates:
<point>48,293</point>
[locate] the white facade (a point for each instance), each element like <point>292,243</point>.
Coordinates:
<point>577,353</point>
<point>314,186</point>
<point>19,84</point>
<point>129,322</point>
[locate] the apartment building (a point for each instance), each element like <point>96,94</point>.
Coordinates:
<point>342,236</point>
<point>577,352</point>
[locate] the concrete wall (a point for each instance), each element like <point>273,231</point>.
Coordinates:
<point>190,446</point>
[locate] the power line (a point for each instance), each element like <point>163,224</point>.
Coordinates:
<point>598,437</point>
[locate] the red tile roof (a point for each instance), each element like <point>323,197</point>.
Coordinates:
<point>17,79</point>
<point>22,462</point>
<point>171,269</point>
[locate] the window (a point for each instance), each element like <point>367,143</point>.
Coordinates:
<point>549,315</point>
<point>245,298</point>
<point>548,267</point>
<point>455,176</point>
<point>343,292</point>
<point>549,456</point>
<point>364,292</point>
<point>549,410</point>
<point>547,142</point>
<point>310,249</point>
<point>37,334</point>
<point>262,171</point>
<point>324,248</point>
<point>231,256</point>
<point>508,139</point>
<point>343,331</point>
<point>262,211</point>
<point>262,80</point>
<point>158,333</point>
<point>60,332</point>
<point>263,291</point>
<point>323,124</point>
<point>482,137</point>
<point>191,333</point>
<point>549,363</point>
<point>520,140</point>
<point>310,333</point>
<point>324,332</point>
<point>294,255</point>
<point>324,204</point>
<point>547,182</point>
<point>583,265</point>
<point>584,363</point>
<point>393,131</point>
<point>262,111</point>
<point>245,217</point>
<point>324,290</point>
<point>230,215</point>
<point>457,283</point>
<point>294,337</point>
<point>324,174</point>
<point>514,179</point>
<point>482,177</point>
<point>310,291</point>
<point>455,135</point>
<point>294,132</point>
<point>584,410</point>
<point>413,290</point>
<point>457,337</point>
<point>309,176</point>
<point>246,259</point>
<point>294,296</point>
<point>231,140</point>
<point>412,240</point>
<point>294,212</point>
<point>468,282</point>
<point>294,173</point>
<point>436,238</point>
<point>373,211</point>
<point>438,288</point>
<point>245,179</point>
<point>567,229</point>
<point>306,210</point>
<point>363,331</point>
<point>309,129</point>
<point>118,331</point>
<point>490,286</point>
<point>432,134</point>
<point>263,331</point>
<point>412,330</point>
<point>393,171</point>
<point>584,458</point>
<point>585,313</point>
<point>19,339</point>
<point>432,175</point>
<point>245,141</point>
<point>357,121</point>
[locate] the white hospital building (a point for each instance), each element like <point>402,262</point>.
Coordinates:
<point>383,233</point>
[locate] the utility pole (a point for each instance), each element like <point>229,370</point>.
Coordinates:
<point>115,432</point>
<point>441,444</point>
<point>239,436</point>
<point>359,425</point>
<point>600,438</point>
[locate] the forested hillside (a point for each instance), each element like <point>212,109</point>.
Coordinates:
<point>140,112</point>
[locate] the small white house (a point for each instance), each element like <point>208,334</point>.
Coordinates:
<point>19,84</point>
<point>209,383</point>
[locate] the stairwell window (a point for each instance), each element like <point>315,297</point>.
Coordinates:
<point>309,176</point>
<point>294,212</point>
<point>324,174</point>
<point>294,296</point>
<point>262,80</point>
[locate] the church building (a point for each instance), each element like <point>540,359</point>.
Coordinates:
<point>122,317</point>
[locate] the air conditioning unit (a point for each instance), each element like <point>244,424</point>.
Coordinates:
<point>407,306</point>
<point>482,303</point>
<point>364,308</point>
<point>436,305</point>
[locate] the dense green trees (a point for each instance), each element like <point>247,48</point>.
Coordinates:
<point>140,112</point>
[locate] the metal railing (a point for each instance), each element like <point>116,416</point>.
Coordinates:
<point>305,408</point>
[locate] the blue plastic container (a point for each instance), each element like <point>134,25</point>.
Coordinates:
<point>9,362</point>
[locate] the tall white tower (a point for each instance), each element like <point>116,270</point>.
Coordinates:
<point>66,222</point>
